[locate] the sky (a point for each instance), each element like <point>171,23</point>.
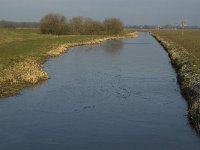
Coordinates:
<point>131,12</point>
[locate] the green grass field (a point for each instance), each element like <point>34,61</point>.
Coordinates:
<point>190,40</point>
<point>29,42</point>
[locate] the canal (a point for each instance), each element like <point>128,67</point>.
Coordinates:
<point>119,95</point>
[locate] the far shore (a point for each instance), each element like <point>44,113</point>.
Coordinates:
<point>27,71</point>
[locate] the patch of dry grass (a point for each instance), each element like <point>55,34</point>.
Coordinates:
<point>25,72</point>
<point>190,40</point>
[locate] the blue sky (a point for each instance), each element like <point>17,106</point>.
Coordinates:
<point>153,12</point>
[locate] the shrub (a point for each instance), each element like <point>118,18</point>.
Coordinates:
<point>54,24</point>
<point>85,26</point>
<point>92,27</point>
<point>57,24</point>
<point>76,25</point>
<point>113,26</point>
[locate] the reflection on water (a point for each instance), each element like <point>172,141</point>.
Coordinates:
<point>113,47</point>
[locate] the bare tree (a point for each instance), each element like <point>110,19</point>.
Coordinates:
<point>92,27</point>
<point>53,24</point>
<point>76,25</point>
<point>57,24</point>
<point>113,26</point>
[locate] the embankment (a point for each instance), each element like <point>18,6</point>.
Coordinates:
<point>27,71</point>
<point>188,74</point>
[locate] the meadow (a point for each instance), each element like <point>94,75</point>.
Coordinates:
<point>190,39</point>
<point>29,42</point>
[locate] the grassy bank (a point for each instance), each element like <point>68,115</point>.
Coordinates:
<point>190,39</point>
<point>184,54</point>
<point>23,51</point>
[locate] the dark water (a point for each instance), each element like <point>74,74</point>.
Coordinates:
<point>120,95</point>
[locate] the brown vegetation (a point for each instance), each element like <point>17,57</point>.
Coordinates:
<point>57,24</point>
<point>53,24</point>
<point>113,26</point>
<point>190,40</point>
<point>27,71</point>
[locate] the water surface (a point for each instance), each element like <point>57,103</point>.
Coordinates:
<point>120,95</point>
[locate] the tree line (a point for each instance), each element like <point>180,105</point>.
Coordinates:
<point>13,24</point>
<point>58,24</point>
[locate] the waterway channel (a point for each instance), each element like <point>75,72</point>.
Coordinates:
<point>119,95</point>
